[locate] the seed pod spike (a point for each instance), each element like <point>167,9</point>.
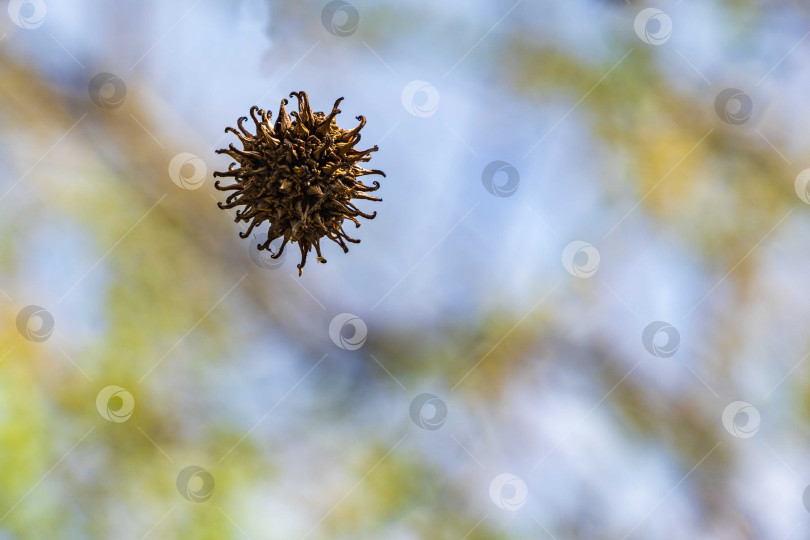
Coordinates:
<point>283,122</point>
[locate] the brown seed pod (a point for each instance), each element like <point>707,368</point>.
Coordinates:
<point>300,175</point>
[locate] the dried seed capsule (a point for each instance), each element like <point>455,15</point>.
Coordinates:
<point>300,175</point>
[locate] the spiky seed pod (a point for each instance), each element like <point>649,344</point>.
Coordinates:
<point>300,175</point>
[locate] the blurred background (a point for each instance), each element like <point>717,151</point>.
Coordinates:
<point>581,311</point>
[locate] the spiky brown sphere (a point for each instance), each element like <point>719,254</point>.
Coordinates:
<point>300,175</point>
